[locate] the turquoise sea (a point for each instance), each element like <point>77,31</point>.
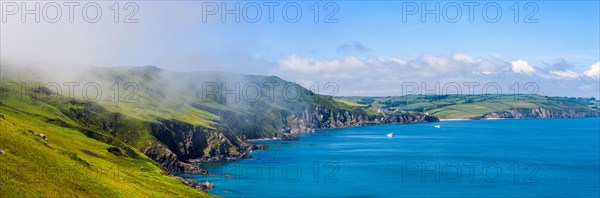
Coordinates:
<point>470,158</point>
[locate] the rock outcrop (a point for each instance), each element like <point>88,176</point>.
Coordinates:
<point>169,160</point>
<point>324,118</point>
<point>190,142</point>
<point>204,186</point>
<point>538,113</point>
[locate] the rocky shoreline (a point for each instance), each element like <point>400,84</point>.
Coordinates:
<point>173,165</point>
<point>179,146</point>
<point>536,113</point>
<point>204,186</point>
<point>289,134</point>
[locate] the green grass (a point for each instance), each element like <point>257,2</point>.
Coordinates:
<point>349,103</point>
<point>463,106</point>
<point>72,164</point>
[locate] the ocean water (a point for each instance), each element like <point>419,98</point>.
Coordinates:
<point>485,158</point>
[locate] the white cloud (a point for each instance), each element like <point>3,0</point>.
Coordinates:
<point>424,66</point>
<point>463,57</point>
<point>565,74</point>
<point>385,75</point>
<point>594,71</point>
<point>398,60</point>
<point>521,66</point>
<point>310,66</point>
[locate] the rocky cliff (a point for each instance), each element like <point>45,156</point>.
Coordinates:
<point>180,144</point>
<point>325,118</point>
<point>538,113</point>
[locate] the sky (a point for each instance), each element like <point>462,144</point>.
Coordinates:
<point>367,48</point>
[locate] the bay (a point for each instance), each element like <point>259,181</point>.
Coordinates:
<point>465,158</point>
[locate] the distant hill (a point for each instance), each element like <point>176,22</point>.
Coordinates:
<point>482,106</point>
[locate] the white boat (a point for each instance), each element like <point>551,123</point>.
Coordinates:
<point>437,126</point>
<point>390,135</point>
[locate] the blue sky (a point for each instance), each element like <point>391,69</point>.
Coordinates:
<point>369,45</point>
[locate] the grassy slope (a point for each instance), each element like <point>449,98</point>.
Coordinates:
<point>77,145</point>
<point>149,102</point>
<point>70,163</point>
<point>350,103</point>
<point>462,106</point>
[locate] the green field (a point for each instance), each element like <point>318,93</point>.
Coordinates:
<point>69,163</point>
<point>467,106</point>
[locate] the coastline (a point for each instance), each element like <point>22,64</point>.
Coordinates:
<point>206,188</point>
<point>226,186</point>
<point>262,139</point>
<point>462,119</point>
<point>454,119</point>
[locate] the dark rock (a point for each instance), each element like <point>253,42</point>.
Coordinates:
<point>191,142</point>
<point>254,147</point>
<point>116,151</point>
<point>207,185</point>
<point>2,116</point>
<point>57,122</point>
<point>537,113</point>
<point>168,160</point>
<point>289,137</point>
<point>204,186</point>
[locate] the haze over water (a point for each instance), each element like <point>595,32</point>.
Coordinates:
<point>487,158</point>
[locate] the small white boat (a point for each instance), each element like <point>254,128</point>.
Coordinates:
<point>390,135</point>
<point>437,126</point>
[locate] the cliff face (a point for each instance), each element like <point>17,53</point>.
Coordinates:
<point>324,118</point>
<point>179,145</point>
<point>160,153</point>
<point>538,113</point>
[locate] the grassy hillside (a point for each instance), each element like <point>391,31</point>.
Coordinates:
<point>69,162</point>
<point>464,106</point>
<point>146,123</point>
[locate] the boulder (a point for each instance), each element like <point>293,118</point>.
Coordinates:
<point>205,186</point>
<point>43,136</point>
<point>2,152</point>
